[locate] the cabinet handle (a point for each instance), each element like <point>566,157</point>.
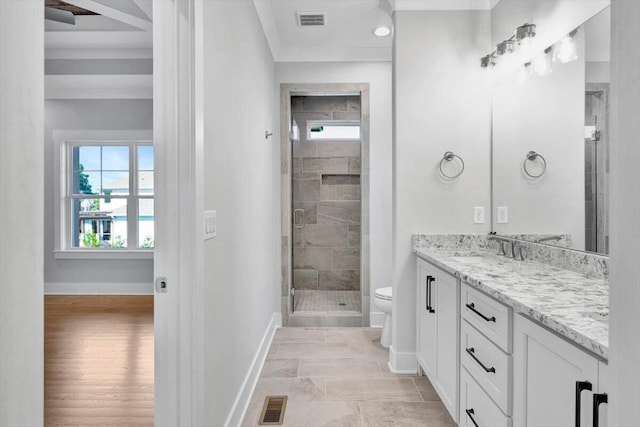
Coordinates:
<point>470,413</point>
<point>471,351</point>
<point>598,399</point>
<point>427,293</point>
<point>431,279</point>
<point>580,387</point>
<point>472,307</point>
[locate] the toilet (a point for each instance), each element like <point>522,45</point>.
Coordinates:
<point>382,300</point>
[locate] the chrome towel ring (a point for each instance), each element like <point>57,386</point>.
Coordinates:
<point>530,157</point>
<point>449,156</point>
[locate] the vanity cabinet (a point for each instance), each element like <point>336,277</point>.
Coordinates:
<point>554,382</point>
<point>437,331</point>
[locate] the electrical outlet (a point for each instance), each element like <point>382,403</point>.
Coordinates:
<point>210,226</point>
<point>503,214</point>
<point>478,215</point>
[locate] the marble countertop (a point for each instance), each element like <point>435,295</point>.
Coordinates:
<point>572,304</point>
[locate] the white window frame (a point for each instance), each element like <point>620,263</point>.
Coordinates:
<point>64,141</point>
<point>313,123</point>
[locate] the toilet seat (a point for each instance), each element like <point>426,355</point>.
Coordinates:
<point>384,293</point>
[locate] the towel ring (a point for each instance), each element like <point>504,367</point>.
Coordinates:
<point>530,157</point>
<point>449,156</point>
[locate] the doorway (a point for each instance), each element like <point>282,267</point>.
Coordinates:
<point>325,204</point>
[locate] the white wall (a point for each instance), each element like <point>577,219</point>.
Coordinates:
<point>441,103</point>
<point>378,75</point>
<point>624,335</point>
<point>89,115</point>
<point>544,114</point>
<point>21,213</point>
<point>238,184</point>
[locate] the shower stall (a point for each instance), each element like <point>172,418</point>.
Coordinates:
<point>326,206</point>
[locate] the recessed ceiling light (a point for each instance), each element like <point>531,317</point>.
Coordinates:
<point>382,31</point>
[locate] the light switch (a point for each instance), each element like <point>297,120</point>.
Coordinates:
<point>503,214</point>
<point>210,226</point>
<point>478,215</point>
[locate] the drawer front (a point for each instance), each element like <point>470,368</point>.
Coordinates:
<point>488,316</point>
<point>476,407</point>
<point>489,366</point>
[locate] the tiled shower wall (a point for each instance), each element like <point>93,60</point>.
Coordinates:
<point>326,185</point>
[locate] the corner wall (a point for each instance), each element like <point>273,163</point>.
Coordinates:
<point>238,183</point>
<point>441,103</point>
<point>624,335</point>
<point>21,213</point>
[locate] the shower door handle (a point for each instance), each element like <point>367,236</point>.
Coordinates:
<point>298,218</point>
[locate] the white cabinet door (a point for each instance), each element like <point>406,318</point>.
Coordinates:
<point>546,370</point>
<point>437,334</point>
<point>427,320</point>
<point>446,307</point>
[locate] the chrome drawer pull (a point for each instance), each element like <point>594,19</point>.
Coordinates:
<point>472,307</point>
<point>471,351</point>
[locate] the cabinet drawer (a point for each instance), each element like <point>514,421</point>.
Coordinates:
<point>476,404</point>
<point>489,316</point>
<point>488,365</point>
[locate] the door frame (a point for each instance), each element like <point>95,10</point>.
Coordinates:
<point>179,245</point>
<point>334,89</point>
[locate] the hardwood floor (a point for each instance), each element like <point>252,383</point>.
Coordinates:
<point>99,361</point>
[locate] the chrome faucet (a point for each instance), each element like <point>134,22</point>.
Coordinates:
<point>515,251</point>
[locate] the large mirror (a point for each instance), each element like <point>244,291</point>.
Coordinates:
<point>551,143</point>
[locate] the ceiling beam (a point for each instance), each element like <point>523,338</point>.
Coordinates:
<point>113,13</point>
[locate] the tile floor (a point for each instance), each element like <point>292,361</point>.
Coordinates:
<point>344,302</point>
<point>338,377</point>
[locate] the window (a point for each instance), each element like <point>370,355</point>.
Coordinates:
<point>109,196</point>
<point>333,130</point>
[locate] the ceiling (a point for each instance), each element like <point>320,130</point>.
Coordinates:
<point>107,54</point>
<point>347,35</point>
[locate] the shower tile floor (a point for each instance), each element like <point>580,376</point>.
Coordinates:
<point>327,302</point>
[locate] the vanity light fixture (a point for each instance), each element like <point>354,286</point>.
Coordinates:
<point>525,33</point>
<point>489,60</point>
<point>566,50</point>
<point>506,46</point>
<point>522,35</point>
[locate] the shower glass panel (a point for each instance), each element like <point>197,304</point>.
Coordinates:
<point>326,205</point>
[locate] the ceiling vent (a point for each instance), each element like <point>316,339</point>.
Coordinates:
<point>311,19</point>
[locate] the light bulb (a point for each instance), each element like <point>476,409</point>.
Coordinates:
<point>522,74</point>
<point>566,50</point>
<point>542,64</point>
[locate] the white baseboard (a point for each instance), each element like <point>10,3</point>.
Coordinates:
<point>241,404</point>
<point>98,288</point>
<point>377,319</point>
<point>402,363</point>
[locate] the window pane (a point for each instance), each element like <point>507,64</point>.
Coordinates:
<point>99,223</point>
<point>115,183</point>
<point>115,158</point>
<point>333,131</point>
<point>145,158</point>
<point>146,232</point>
<point>89,157</point>
<point>86,182</point>
<point>145,182</point>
